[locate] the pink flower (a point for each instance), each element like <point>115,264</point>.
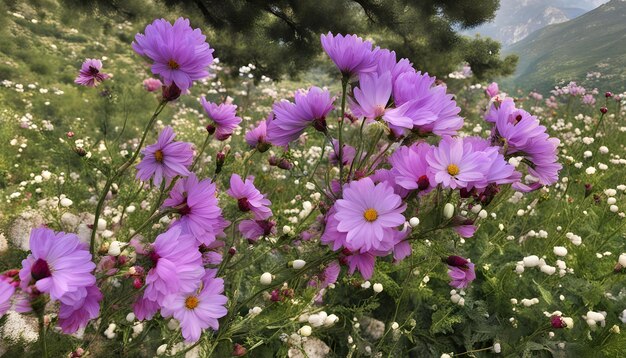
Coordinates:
<point>257,136</point>
<point>410,168</point>
<point>75,316</point>
<point>249,198</point>
<point>368,213</point>
<point>461,271</point>
<point>492,90</point>
<point>6,292</point>
<point>152,84</point>
<point>456,165</point>
<point>224,117</point>
<point>165,159</point>
<point>90,74</point>
<point>254,229</point>
<point>198,310</point>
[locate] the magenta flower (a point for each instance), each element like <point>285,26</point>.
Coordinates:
<point>249,198</point>
<point>152,84</point>
<point>386,62</point>
<point>73,317</point>
<point>89,74</point>
<point>372,97</point>
<point>58,264</point>
<point>6,292</point>
<point>456,165</point>
<point>331,236</point>
<point>461,271</point>
<point>254,229</point>
<point>348,153</point>
<point>410,168</point>
<point>492,90</point>
<point>291,119</point>
<point>180,54</point>
<point>145,308</point>
<point>198,206</point>
<point>197,311</point>
<point>388,177</point>
<point>368,213</point>
<point>224,117</point>
<point>350,53</point>
<point>363,262</point>
<point>257,136</point>
<point>177,266</point>
<point>165,159</point>
<point>498,171</point>
<point>402,246</point>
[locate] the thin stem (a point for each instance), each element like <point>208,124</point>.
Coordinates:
<point>344,87</point>
<point>42,336</point>
<point>118,173</point>
<point>195,162</point>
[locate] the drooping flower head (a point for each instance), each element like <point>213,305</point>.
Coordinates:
<point>58,264</point>
<point>257,136</point>
<point>176,266</point>
<point>224,117</point>
<point>348,153</point>
<point>291,119</point>
<point>90,75</point>
<point>197,204</point>
<point>492,90</point>
<point>350,53</point>
<point>165,159</point>
<point>455,164</point>
<point>199,309</point>
<point>371,101</point>
<point>461,271</point>
<point>410,168</point>
<point>179,53</point>
<point>368,213</point>
<point>75,316</point>
<point>249,198</point>
<point>254,229</point>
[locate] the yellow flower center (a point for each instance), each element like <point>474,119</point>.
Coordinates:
<point>173,64</point>
<point>370,214</point>
<point>191,302</point>
<point>453,169</point>
<point>158,155</point>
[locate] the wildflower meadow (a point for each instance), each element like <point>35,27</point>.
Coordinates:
<point>156,202</point>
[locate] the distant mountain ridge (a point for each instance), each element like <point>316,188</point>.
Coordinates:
<point>593,43</point>
<point>517,19</point>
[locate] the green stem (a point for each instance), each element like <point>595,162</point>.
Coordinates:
<point>42,336</point>
<point>344,87</point>
<point>195,162</point>
<point>118,173</point>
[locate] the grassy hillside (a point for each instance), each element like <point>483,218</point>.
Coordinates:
<point>593,42</point>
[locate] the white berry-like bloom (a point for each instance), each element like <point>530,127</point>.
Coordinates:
<point>497,348</point>
<point>130,317</point>
<point>115,248</point>
<point>378,288</point>
<point>611,201</point>
<point>66,202</point>
<point>395,326</point>
<point>614,208</point>
<point>560,251</point>
<point>531,261</point>
<point>298,264</point>
<point>448,210</point>
<point>603,149</point>
<point>590,170</point>
<point>547,269</point>
<point>161,350</point>
<point>622,259</point>
<point>414,222</point>
<point>266,278</point>
<point>305,331</point>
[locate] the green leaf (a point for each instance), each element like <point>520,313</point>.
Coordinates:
<point>443,320</point>
<point>545,294</point>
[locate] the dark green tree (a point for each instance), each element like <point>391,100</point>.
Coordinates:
<point>282,36</point>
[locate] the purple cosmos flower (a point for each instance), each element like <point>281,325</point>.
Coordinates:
<point>145,308</point>
<point>152,84</point>
<point>197,204</point>
<point>402,247</point>
<point>249,198</point>
<point>386,62</point>
<point>461,271</point>
<point>331,236</point>
<point>498,171</point>
<point>372,97</point>
<point>291,119</point>
<point>197,311</point>
<point>224,117</point>
<point>177,266</point>
<point>410,168</point>
<point>364,262</point>
<point>257,136</point>
<point>350,53</point>
<point>165,159</point>
<point>6,292</point>
<point>347,153</point>
<point>90,75</point>
<point>73,317</point>
<point>58,264</point>
<point>492,90</point>
<point>456,165</point>
<point>254,229</point>
<point>180,54</point>
<point>367,214</point>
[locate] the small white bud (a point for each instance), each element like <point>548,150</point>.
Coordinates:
<point>414,222</point>
<point>266,278</point>
<point>298,264</point>
<point>305,331</point>
<point>448,210</point>
<point>378,288</point>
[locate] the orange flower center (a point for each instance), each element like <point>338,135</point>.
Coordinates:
<point>370,214</point>
<point>453,169</point>
<point>191,302</point>
<point>158,155</point>
<point>173,64</point>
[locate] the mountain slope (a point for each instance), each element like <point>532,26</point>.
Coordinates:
<point>516,19</point>
<point>593,42</point>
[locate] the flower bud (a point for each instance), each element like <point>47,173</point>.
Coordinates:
<point>239,350</point>
<point>171,92</point>
<point>448,210</point>
<point>603,110</point>
<point>266,278</point>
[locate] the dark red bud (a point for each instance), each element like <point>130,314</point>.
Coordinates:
<point>244,204</point>
<point>232,251</point>
<point>137,283</point>
<point>604,110</point>
<point>557,322</point>
<point>171,92</point>
<point>210,129</point>
<point>423,183</point>
<point>40,270</point>
<point>456,261</point>
<point>608,94</point>
<point>239,350</point>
